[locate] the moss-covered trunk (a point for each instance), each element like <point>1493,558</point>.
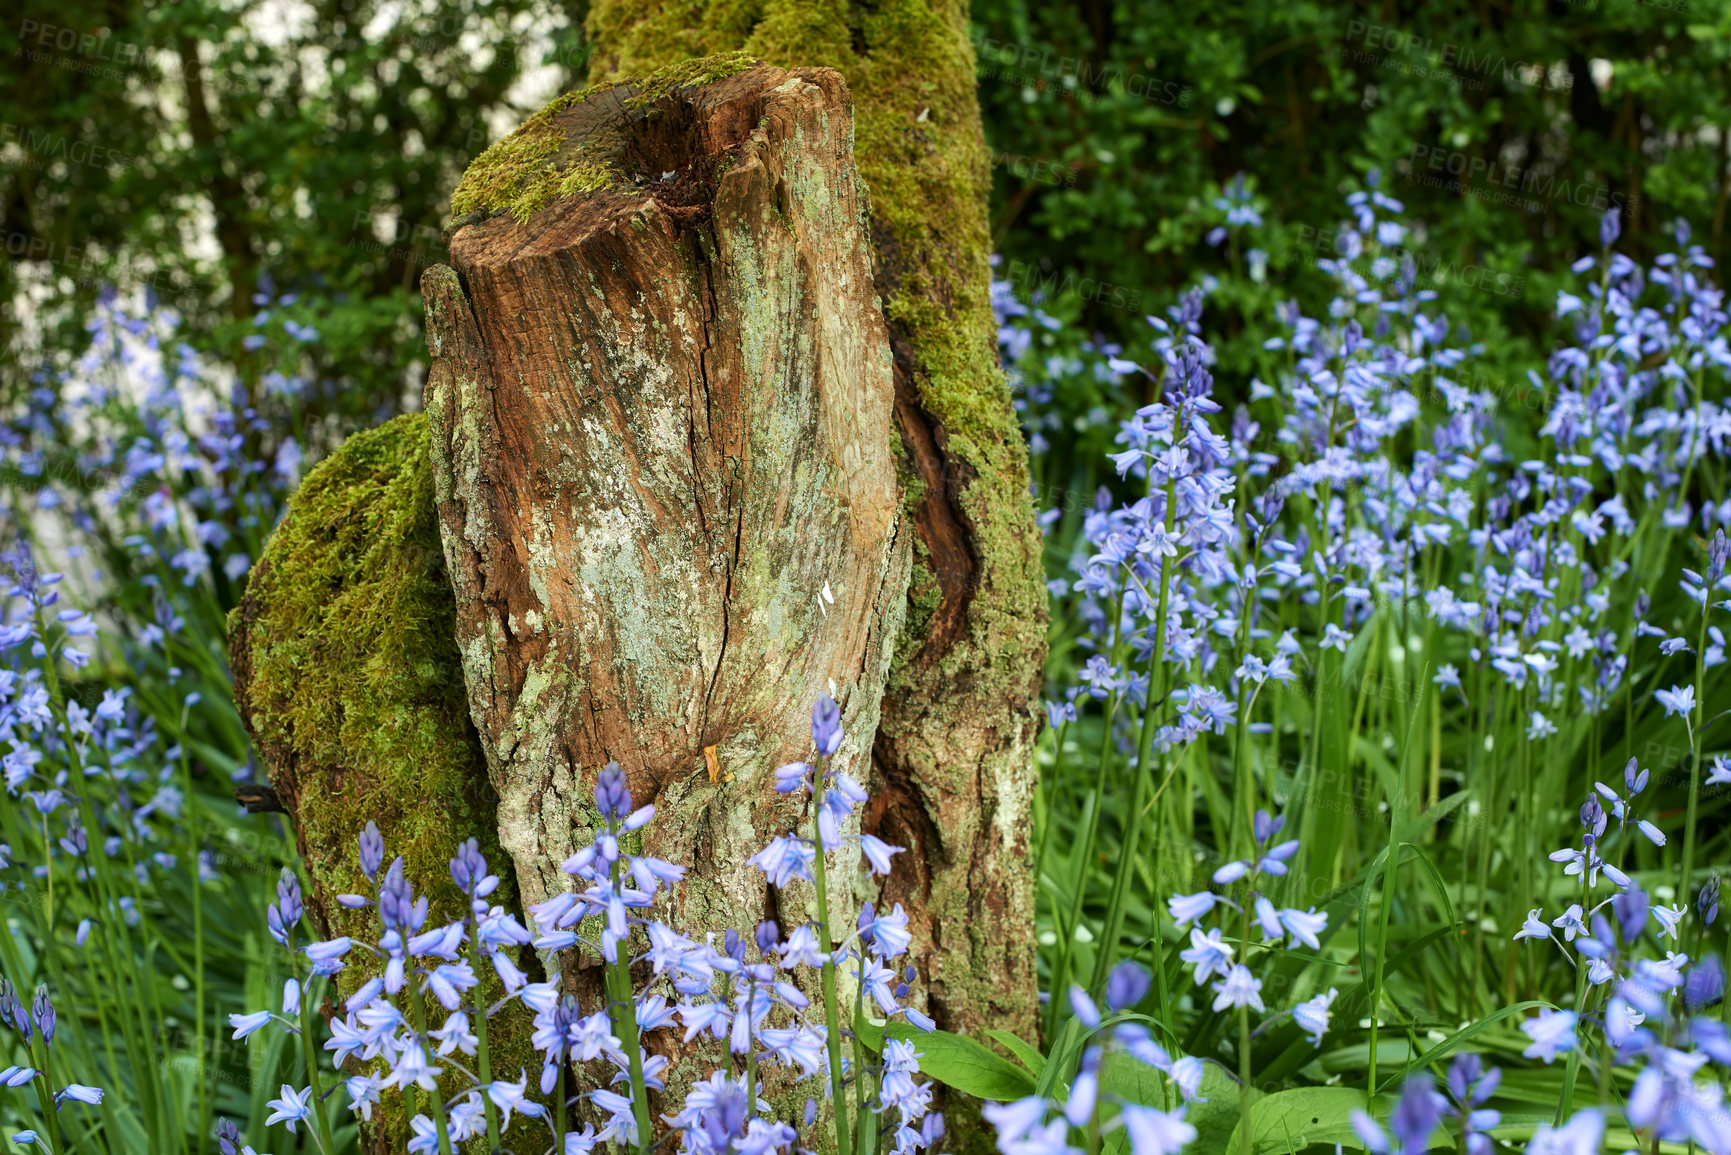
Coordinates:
<point>348,667</point>
<point>953,754</point>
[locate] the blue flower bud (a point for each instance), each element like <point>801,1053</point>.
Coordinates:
<point>612,796</point>
<point>1704,985</point>
<point>1610,228</point>
<point>1126,985</point>
<point>826,725</point>
<point>768,935</point>
<point>1631,908</point>
<point>372,845</point>
<point>288,897</point>
<point>1417,1114</point>
<point>45,1017</point>
<point>469,867</point>
<point>1634,778</point>
<point>1463,1073</point>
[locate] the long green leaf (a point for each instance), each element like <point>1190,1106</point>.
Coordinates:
<point>1448,1045</point>
<point>1029,1054</point>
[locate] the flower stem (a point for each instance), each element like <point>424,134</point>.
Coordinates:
<point>312,1059</point>
<point>1142,775</point>
<point>1247,1091</point>
<point>831,1014</point>
<point>1574,1062</point>
<point>486,1076</point>
<point>1684,894</point>
<point>619,979</point>
<point>421,1038</point>
<point>45,1094</point>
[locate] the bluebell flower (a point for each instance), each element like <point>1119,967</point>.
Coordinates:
<point>1413,1121</point>
<point>1552,1033</point>
<point>1676,700</point>
<point>1239,988</point>
<point>1126,985</point>
<point>1581,1135</point>
<point>291,1108</point>
<point>1207,954</point>
<point>1313,1015</point>
<point>1188,908</point>
<point>245,1024</point>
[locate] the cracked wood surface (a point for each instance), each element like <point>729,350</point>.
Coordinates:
<point>661,419</point>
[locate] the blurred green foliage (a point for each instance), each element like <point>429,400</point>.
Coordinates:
<point>206,147</point>
<point>1506,128</point>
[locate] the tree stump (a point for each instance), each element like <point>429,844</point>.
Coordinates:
<point>661,416</point>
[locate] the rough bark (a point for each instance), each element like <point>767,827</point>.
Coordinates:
<point>951,756</point>
<point>954,751</point>
<point>661,417</point>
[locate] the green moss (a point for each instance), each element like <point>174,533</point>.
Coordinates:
<point>664,82</point>
<point>355,677</point>
<point>352,689</point>
<point>522,172</point>
<point>538,163</point>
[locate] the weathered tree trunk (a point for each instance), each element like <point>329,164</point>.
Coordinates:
<point>954,750</point>
<point>661,435</point>
<point>661,419</point>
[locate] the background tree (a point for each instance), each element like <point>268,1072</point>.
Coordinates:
<point>331,144</point>
<point>219,152</point>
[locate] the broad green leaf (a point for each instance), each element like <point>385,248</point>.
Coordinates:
<point>1293,1120</point>
<point>956,1061</point>
<point>1029,1054</point>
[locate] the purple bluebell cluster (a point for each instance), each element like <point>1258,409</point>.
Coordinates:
<point>767,998</point>
<point>141,481</point>
<point>35,1026</point>
<point>1211,954</point>
<point>1555,583</point>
